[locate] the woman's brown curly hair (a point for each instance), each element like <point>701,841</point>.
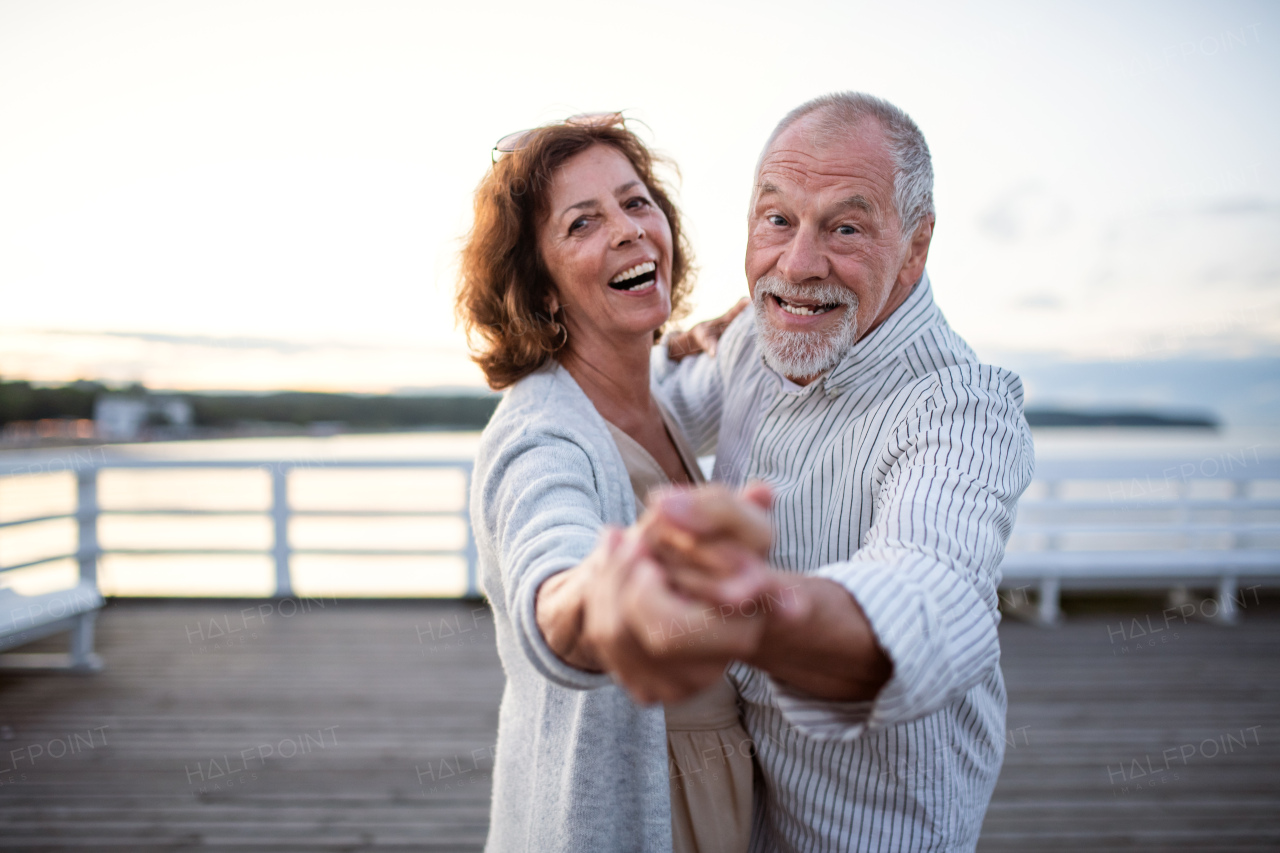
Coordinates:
<point>504,286</point>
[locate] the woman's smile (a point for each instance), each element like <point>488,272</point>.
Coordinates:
<point>637,278</point>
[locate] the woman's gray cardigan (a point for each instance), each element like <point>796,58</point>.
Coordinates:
<point>579,767</point>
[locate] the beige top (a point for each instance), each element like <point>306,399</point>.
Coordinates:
<point>645,472</point>
<point>708,750</point>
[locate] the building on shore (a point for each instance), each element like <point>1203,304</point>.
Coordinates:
<point>119,417</point>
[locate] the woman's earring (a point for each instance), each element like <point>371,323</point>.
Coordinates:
<point>561,329</point>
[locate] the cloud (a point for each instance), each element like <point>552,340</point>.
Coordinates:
<point>238,342</point>
<point>1243,391</point>
<point>1238,207</point>
<point>1039,302</point>
<point>282,346</point>
<point>223,362</point>
<point>1028,212</point>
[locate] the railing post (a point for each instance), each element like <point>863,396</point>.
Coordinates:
<point>1048,612</point>
<point>1184,516</point>
<point>473,585</point>
<point>1239,491</point>
<point>87,524</point>
<point>280,523</point>
<point>1228,613</point>
<point>1053,491</point>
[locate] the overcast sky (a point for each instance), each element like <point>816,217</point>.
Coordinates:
<point>271,194</point>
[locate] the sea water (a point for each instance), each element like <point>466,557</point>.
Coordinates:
<point>46,487</point>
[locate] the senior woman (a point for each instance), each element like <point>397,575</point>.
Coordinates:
<point>574,265</point>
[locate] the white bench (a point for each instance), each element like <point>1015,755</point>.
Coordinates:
<point>24,618</point>
<point>1125,524</point>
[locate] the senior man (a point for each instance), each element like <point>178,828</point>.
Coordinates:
<point>895,460</point>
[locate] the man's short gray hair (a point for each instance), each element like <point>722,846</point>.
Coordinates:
<point>841,113</point>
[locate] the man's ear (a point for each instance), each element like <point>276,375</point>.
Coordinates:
<point>917,253</point>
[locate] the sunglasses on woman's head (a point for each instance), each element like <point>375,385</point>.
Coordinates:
<point>515,141</point>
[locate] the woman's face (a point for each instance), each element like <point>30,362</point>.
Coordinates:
<point>607,245</point>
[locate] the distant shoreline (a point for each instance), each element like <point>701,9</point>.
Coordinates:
<point>1037,417</point>
<point>80,414</point>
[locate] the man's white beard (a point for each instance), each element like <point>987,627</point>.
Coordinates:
<point>799,355</point>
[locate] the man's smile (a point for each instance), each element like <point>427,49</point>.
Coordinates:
<point>801,308</point>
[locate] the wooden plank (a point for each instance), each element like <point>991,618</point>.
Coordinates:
<point>392,708</point>
<point>1105,690</point>
<point>290,727</point>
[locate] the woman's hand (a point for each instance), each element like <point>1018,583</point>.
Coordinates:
<point>705,336</point>
<point>560,608</point>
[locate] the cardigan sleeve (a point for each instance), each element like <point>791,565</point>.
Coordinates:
<point>542,511</point>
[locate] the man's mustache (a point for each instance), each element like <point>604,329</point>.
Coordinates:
<point>821,294</point>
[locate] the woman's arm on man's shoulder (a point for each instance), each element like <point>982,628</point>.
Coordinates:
<point>689,370</point>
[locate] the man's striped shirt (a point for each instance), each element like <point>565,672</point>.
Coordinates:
<point>896,475</point>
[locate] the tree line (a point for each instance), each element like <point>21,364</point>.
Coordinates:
<point>23,401</point>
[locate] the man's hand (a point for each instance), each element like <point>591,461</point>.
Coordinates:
<point>717,554</point>
<point>816,638</point>
<point>705,336</point>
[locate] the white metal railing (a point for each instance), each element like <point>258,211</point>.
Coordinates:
<point>1126,524</point>
<point>89,511</point>
<point>1134,487</point>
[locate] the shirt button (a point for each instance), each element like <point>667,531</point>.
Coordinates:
<point>832,393</point>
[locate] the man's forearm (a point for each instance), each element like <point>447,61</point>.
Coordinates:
<point>832,653</point>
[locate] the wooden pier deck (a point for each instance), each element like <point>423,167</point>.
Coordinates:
<point>368,726</point>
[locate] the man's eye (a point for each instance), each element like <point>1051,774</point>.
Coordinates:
<point>778,220</point>
<point>846,230</point>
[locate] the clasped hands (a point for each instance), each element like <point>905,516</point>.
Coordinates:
<point>665,605</point>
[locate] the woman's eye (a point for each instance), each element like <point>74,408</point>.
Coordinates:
<point>578,224</point>
<point>638,202</point>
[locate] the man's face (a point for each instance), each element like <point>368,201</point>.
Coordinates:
<point>826,262</point>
